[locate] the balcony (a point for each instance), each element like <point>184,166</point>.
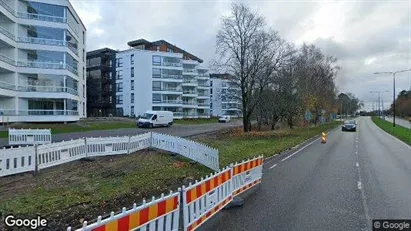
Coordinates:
<point>203,76</point>
<point>7,7</point>
<point>36,88</point>
<point>41,17</point>
<point>7,33</point>
<point>203,104</point>
<point>203,85</point>
<point>177,114</point>
<point>167,76</point>
<point>190,82</point>
<point>171,64</point>
<point>8,86</point>
<point>7,60</point>
<point>168,102</point>
<point>42,41</point>
<point>190,115</point>
<point>203,96</point>
<point>189,71</point>
<point>7,112</point>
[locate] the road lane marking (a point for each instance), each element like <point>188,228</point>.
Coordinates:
<point>273,166</point>
<point>395,138</point>
<point>300,149</point>
<point>357,164</point>
<point>359,185</point>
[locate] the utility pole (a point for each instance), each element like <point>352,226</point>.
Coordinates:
<point>379,101</point>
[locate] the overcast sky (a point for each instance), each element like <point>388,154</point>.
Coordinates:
<point>366,36</point>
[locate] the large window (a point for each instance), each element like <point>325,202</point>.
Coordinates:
<point>84,91</point>
<point>119,87</point>
<point>132,72</point>
<point>132,84</point>
<point>91,62</point>
<point>71,42</point>
<point>119,62</point>
<point>156,86</point>
<point>72,21</point>
<point>42,32</point>
<point>132,59</point>
<point>156,73</point>
<point>156,60</point>
<point>156,97</point>
<point>119,99</point>
<point>71,61</point>
<point>45,56</point>
<point>132,97</point>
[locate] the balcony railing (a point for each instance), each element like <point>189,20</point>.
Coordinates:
<point>177,114</point>
<point>36,88</point>
<point>204,75</point>
<point>45,65</point>
<point>71,69</point>
<point>7,60</point>
<point>189,70</point>
<point>203,85</point>
<point>7,112</point>
<point>42,41</point>
<point>204,104</point>
<point>189,103</point>
<point>168,102</point>
<point>202,95</point>
<point>190,92</point>
<point>7,33</point>
<point>189,114</point>
<point>6,85</point>
<point>190,81</point>
<point>170,64</point>
<point>7,7</point>
<point>166,76</point>
<point>42,17</point>
<point>48,112</point>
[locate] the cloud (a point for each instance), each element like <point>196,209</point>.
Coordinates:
<point>365,36</point>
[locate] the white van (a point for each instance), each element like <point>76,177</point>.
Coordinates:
<point>155,119</point>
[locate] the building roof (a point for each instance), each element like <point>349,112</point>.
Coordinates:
<point>159,42</point>
<point>100,51</point>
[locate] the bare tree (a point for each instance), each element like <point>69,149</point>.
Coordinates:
<point>251,53</point>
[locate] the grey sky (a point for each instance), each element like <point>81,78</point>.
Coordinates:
<point>366,36</point>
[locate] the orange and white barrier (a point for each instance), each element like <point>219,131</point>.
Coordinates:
<point>204,199</point>
<point>159,214</point>
<point>247,174</point>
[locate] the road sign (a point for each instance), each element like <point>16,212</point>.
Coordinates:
<point>308,116</point>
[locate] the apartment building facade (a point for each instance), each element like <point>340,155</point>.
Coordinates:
<point>101,83</point>
<point>160,76</point>
<point>225,96</point>
<point>42,62</point>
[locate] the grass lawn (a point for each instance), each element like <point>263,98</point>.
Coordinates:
<point>400,132</point>
<point>75,127</point>
<point>69,193</point>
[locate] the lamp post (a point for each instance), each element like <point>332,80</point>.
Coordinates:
<point>393,73</point>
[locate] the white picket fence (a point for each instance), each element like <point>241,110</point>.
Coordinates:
<point>53,154</point>
<point>29,136</point>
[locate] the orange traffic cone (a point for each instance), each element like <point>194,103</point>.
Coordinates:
<point>323,138</point>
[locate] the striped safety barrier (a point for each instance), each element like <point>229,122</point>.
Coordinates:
<point>247,174</point>
<point>204,199</point>
<point>159,214</point>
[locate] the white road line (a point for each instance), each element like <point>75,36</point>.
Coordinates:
<point>273,166</point>
<point>357,164</point>
<point>359,185</point>
<point>300,149</point>
<point>402,142</point>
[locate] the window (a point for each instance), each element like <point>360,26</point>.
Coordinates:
<point>158,48</point>
<point>211,91</point>
<point>84,73</point>
<point>84,109</point>
<point>119,99</point>
<point>84,55</point>
<point>84,91</point>
<point>119,74</point>
<point>110,87</point>
<point>119,87</point>
<point>132,72</point>
<point>110,76</point>
<point>111,98</point>
<point>156,86</point>
<point>132,98</point>
<point>156,60</point>
<point>132,59</point>
<point>132,85</point>
<point>154,117</point>
<point>156,73</point>
<point>156,97</point>
<point>84,37</point>
<point>132,110</point>
<point>119,62</point>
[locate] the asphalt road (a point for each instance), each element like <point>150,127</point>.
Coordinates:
<point>341,185</point>
<point>175,130</point>
<point>399,121</point>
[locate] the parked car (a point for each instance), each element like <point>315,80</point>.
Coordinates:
<point>155,119</point>
<point>224,119</point>
<point>349,125</point>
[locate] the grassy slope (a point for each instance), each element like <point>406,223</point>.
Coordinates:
<point>400,132</point>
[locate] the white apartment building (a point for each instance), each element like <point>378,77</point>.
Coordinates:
<point>160,76</point>
<point>225,96</point>
<point>42,62</point>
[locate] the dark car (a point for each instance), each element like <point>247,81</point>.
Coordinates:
<point>349,125</point>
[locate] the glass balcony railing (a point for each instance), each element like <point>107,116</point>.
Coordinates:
<point>42,17</point>
<point>7,33</point>
<point>36,88</point>
<point>177,114</point>
<point>189,103</point>
<point>168,102</point>
<point>204,104</point>
<point>42,41</point>
<point>203,85</point>
<point>190,92</point>
<point>71,69</point>
<point>7,60</point>
<point>203,75</point>
<point>7,112</point>
<point>166,76</point>
<point>8,86</point>
<point>189,114</point>
<point>7,7</point>
<point>45,65</point>
<point>51,112</point>
<point>190,81</point>
<point>171,64</point>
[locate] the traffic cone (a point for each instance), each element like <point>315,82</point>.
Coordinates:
<point>323,138</point>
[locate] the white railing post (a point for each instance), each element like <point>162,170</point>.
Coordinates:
<point>85,146</point>
<point>36,160</point>
<point>128,145</point>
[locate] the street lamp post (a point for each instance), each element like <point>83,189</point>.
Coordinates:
<point>393,73</point>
